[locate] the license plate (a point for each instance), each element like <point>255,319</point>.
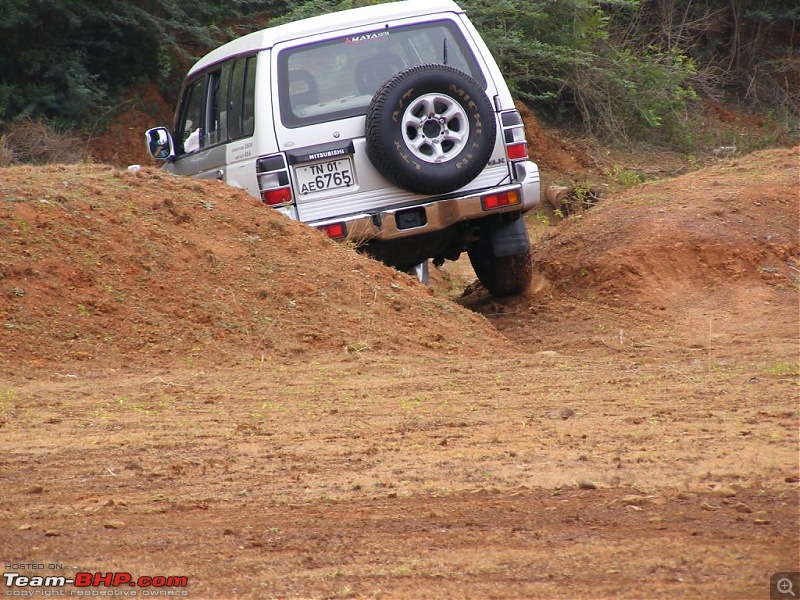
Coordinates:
<point>324,176</point>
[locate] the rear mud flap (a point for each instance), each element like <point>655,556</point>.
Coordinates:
<point>510,238</point>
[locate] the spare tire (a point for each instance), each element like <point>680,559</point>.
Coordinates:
<point>430,129</point>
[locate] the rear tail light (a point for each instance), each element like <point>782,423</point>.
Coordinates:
<point>273,180</point>
<point>517,151</point>
<point>493,201</point>
<point>514,136</point>
<point>277,196</point>
<point>335,231</point>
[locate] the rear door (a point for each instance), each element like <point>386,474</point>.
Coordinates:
<point>324,88</point>
<point>217,108</point>
<point>198,128</point>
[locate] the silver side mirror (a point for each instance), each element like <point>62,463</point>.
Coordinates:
<point>159,143</point>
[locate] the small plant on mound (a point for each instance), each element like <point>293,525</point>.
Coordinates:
<point>571,200</point>
<point>581,199</point>
<point>625,178</point>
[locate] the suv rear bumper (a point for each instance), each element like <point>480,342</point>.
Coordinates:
<point>440,214</point>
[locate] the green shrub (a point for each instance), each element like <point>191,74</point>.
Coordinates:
<point>58,58</point>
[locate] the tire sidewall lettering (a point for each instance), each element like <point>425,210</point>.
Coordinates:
<point>400,104</point>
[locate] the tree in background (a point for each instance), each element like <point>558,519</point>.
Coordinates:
<point>59,58</point>
<point>560,56</point>
<point>625,69</point>
<point>745,51</point>
<point>634,69</point>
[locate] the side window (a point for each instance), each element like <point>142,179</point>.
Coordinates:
<point>242,98</point>
<point>218,107</point>
<point>249,112</point>
<point>217,130</point>
<point>235,99</point>
<point>191,122</point>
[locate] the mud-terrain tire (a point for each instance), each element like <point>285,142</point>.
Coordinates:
<point>501,275</point>
<point>430,129</point>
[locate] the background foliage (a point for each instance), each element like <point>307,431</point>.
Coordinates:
<point>624,69</point>
<point>635,69</point>
<point>62,58</point>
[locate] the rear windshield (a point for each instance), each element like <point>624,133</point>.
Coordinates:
<point>336,79</point>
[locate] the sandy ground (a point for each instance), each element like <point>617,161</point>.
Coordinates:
<point>192,386</point>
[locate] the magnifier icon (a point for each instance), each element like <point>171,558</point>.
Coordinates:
<point>785,586</point>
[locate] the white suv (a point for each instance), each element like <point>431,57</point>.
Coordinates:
<point>389,125</point>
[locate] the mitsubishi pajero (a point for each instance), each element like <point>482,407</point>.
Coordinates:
<point>389,126</point>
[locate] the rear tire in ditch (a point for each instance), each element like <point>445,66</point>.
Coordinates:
<point>501,275</point>
<point>430,129</point>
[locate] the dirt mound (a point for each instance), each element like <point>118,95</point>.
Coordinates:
<point>122,268</point>
<point>643,428</point>
<point>683,264</point>
<point>703,229</point>
<point>553,155</point>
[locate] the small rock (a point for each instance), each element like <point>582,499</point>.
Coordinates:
<point>720,151</point>
<point>566,413</point>
<point>52,533</point>
<point>35,489</point>
<point>707,506</point>
<point>634,500</point>
<point>742,508</point>
<point>114,524</point>
<point>587,485</point>
<point>792,479</point>
<point>761,521</point>
<point>723,491</point>
<point>25,527</point>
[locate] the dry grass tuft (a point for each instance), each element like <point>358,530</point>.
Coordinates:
<point>7,157</point>
<point>40,143</point>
